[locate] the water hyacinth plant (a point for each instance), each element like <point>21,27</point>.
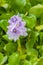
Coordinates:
<point>21,35</point>
<point>16,28</point>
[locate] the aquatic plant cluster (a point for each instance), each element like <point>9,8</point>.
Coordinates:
<point>21,32</point>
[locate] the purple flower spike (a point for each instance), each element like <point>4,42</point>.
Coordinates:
<point>16,28</point>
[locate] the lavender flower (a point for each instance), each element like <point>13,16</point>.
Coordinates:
<point>16,28</point>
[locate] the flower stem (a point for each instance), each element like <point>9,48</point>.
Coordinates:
<point>19,47</point>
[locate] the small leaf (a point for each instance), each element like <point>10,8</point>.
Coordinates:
<point>40,62</point>
<point>27,7</point>
<point>39,28</point>
<point>1,57</point>
<point>3,25</point>
<point>27,62</point>
<point>5,37</point>
<point>4,60</point>
<point>32,53</point>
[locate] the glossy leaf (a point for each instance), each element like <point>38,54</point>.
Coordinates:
<point>14,59</point>
<point>37,10</point>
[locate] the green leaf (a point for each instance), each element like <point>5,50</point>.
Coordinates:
<point>16,4</point>
<point>4,60</point>
<point>10,47</point>
<point>1,57</point>
<point>27,62</point>
<point>20,2</point>
<point>6,16</point>
<point>27,7</point>
<point>2,10</point>
<point>41,1</point>
<point>14,59</point>
<point>5,6</point>
<point>37,10</point>
<point>2,2</point>
<point>4,24</point>
<point>39,28</point>
<point>40,62</point>
<point>41,50</point>
<point>6,64</point>
<point>5,37</point>
<point>30,20</point>
<point>32,39</point>
<point>32,53</point>
<point>41,19</point>
<point>33,2</point>
<point>41,37</point>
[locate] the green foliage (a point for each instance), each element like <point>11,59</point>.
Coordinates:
<point>30,20</point>
<point>14,59</point>
<point>3,24</point>
<point>32,39</point>
<point>28,50</point>
<point>27,62</point>
<point>1,57</point>
<point>37,10</point>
